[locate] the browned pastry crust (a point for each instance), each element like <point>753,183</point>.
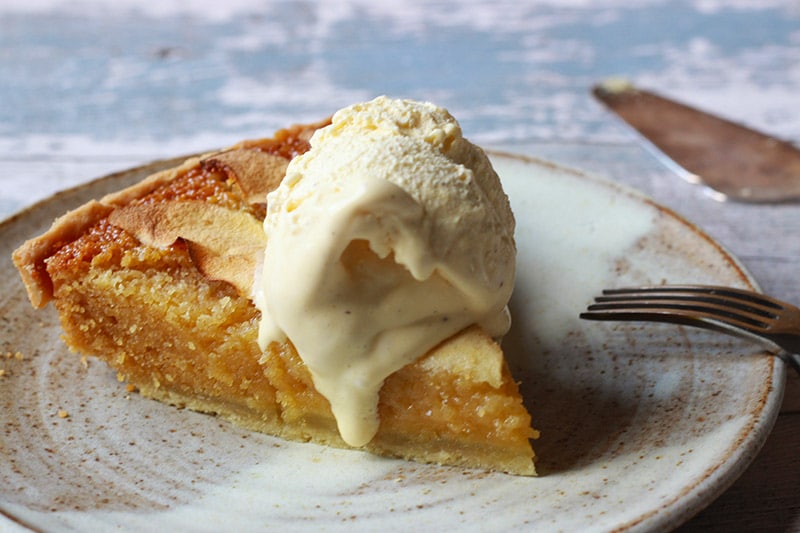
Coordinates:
<point>156,281</point>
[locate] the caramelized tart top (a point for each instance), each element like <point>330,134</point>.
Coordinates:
<point>212,205</point>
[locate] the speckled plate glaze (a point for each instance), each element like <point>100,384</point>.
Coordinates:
<point>642,425</point>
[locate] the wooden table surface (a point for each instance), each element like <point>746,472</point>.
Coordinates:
<point>90,87</point>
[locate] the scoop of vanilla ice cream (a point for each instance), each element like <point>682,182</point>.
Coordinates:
<point>389,235</point>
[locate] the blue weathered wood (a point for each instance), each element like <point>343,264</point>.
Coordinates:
<point>91,87</point>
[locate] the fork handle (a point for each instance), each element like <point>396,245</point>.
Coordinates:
<point>794,360</point>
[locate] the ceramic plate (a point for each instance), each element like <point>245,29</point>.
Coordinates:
<point>642,425</point>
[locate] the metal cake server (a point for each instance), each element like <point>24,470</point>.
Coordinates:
<point>733,161</point>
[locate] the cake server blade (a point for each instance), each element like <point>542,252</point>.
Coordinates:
<point>733,161</point>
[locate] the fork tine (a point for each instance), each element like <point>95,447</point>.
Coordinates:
<point>675,311</point>
<point>730,310</point>
<point>697,304</point>
<point>731,293</point>
<point>751,308</point>
<point>670,316</point>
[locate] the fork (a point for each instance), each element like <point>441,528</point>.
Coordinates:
<point>735,311</point>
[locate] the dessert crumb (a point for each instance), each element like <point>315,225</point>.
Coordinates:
<point>63,414</point>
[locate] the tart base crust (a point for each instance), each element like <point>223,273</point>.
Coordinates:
<point>187,337</point>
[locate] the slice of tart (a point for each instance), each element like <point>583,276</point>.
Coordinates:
<point>157,281</point>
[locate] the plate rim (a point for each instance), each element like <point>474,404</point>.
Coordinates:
<point>718,479</point>
<point>692,499</point>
